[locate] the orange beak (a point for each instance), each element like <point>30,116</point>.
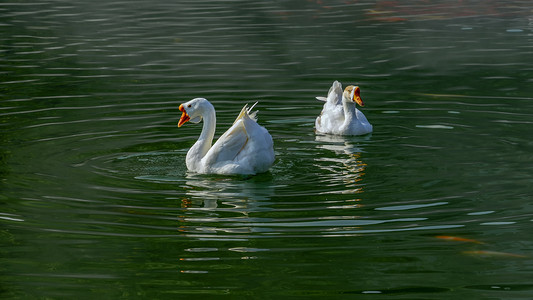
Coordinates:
<point>184,116</point>
<point>357,96</point>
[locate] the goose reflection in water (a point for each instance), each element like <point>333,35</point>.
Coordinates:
<point>346,164</point>
<point>210,192</point>
<point>219,208</point>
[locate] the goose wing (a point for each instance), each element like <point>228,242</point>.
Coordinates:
<point>232,142</point>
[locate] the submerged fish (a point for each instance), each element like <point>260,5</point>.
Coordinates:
<point>493,253</point>
<point>458,239</point>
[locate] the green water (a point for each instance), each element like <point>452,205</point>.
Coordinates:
<point>96,200</point>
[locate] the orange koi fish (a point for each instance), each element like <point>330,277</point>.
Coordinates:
<point>458,239</point>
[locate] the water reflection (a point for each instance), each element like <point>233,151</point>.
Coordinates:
<point>219,208</point>
<point>346,164</point>
<point>206,191</point>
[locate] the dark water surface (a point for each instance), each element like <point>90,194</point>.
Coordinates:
<point>96,200</point>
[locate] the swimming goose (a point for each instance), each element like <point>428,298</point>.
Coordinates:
<point>339,115</point>
<point>245,148</point>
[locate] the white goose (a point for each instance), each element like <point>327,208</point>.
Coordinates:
<point>339,115</point>
<point>245,148</point>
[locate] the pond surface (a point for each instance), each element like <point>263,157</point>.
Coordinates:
<point>96,200</point>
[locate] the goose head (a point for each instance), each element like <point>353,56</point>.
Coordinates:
<point>353,94</point>
<point>193,110</point>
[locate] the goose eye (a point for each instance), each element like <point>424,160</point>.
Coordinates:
<point>189,105</point>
